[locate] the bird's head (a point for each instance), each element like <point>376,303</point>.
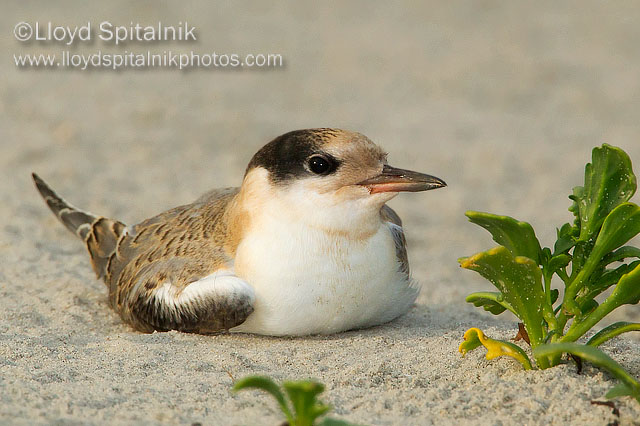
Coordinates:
<point>329,177</point>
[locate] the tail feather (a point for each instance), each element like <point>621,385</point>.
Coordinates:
<point>74,219</point>
<point>99,234</point>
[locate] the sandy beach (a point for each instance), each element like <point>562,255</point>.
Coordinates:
<point>504,101</point>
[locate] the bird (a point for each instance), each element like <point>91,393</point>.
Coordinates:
<point>306,245</point>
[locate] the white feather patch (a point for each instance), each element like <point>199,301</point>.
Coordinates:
<point>222,284</point>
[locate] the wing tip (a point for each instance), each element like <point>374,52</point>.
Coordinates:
<point>41,185</point>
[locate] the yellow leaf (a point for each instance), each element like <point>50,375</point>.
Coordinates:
<point>474,337</point>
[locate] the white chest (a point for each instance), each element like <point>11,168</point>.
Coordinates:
<point>307,281</point>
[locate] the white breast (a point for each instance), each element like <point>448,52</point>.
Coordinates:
<point>307,281</point>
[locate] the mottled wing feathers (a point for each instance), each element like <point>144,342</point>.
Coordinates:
<point>395,225</point>
<point>165,273</point>
<point>168,272</point>
<point>194,231</point>
<point>208,304</point>
<point>101,242</point>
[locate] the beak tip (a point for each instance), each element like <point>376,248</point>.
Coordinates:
<point>396,180</point>
<point>433,182</point>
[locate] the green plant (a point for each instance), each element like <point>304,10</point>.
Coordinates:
<point>589,256</point>
<point>302,396</point>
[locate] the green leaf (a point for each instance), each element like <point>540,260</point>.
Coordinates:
<point>621,254</point>
<point>622,224</point>
<point>588,307</point>
<point>491,301</point>
<point>612,276</point>
<point>519,279</point>
<point>266,384</point>
<point>612,331</point>
<point>494,302</point>
<point>557,262</point>
<point>608,182</point>
<point>606,280</point>
<point>303,396</point>
<point>627,291</point>
<point>474,338</point>
<point>518,237</point>
<point>619,390</point>
<point>567,237</point>
<point>594,356</point>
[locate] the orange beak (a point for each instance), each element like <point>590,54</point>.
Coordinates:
<point>396,180</point>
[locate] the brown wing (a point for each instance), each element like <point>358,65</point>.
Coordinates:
<point>174,294</point>
<point>158,265</point>
<point>395,225</point>
<point>168,272</point>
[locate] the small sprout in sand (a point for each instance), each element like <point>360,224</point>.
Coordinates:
<point>302,396</point>
<point>589,256</point>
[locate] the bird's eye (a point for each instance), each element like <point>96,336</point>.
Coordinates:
<point>320,165</point>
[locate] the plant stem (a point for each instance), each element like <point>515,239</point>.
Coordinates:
<point>576,285</point>
<point>579,328</point>
<point>562,273</point>
<point>547,311</point>
<point>562,322</point>
<point>547,287</point>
